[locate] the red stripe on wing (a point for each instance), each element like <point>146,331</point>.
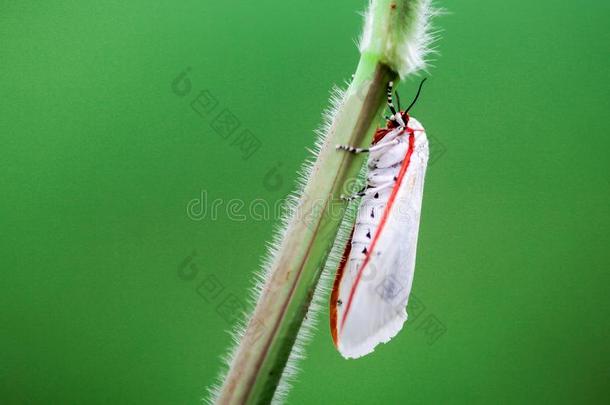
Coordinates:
<point>334,295</point>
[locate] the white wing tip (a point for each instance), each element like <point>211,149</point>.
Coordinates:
<point>383,335</point>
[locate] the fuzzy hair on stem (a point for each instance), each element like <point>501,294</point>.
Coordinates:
<point>409,35</point>
<point>291,287</point>
<point>264,273</point>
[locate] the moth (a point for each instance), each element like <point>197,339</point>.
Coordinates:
<point>372,284</point>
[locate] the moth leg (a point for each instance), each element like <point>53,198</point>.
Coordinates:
<point>377,147</point>
<point>368,191</point>
<point>354,196</point>
<point>352,149</point>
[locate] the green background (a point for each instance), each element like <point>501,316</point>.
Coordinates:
<point>99,159</point>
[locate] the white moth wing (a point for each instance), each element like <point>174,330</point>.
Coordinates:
<point>373,304</point>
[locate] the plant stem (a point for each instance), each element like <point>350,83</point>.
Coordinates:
<point>271,332</point>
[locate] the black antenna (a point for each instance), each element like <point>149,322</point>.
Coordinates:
<point>416,96</point>
<point>397,99</point>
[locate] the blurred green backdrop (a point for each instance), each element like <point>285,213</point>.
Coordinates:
<point>104,161</point>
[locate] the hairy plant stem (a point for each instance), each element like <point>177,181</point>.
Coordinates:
<point>272,329</point>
